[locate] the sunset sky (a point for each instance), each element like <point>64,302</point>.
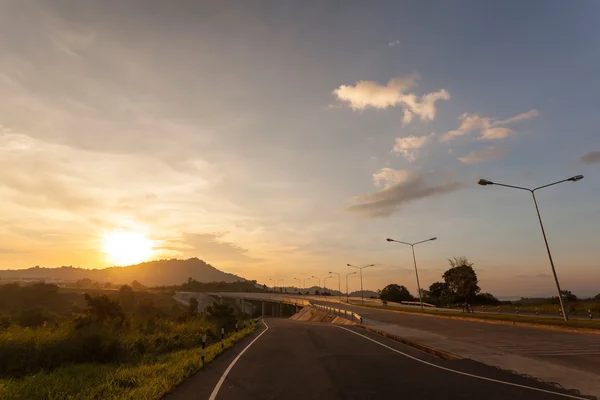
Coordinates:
<point>288,138</point>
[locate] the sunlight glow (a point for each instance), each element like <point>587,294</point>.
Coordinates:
<point>126,248</point>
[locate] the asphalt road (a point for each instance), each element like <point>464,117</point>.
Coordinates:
<point>573,350</point>
<point>299,360</point>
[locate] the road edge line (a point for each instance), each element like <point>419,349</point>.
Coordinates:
<point>460,372</point>
<point>215,391</point>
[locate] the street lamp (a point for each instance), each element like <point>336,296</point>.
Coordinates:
<point>274,283</point>
<point>316,277</point>
<point>412,245</point>
<point>280,280</point>
<point>298,279</point>
<point>324,282</point>
<point>485,182</point>
<point>304,282</point>
<point>362,295</point>
<point>339,284</point>
<point>349,273</point>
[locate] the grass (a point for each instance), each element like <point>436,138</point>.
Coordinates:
<point>592,325</point>
<point>573,308</point>
<point>150,378</point>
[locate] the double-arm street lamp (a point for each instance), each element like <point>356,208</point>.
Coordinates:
<point>415,260</point>
<point>485,182</point>
<point>349,273</point>
<point>316,277</point>
<point>362,296</point>
<point>339,284</point>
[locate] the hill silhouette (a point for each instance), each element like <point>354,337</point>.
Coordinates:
<point>151,273</point>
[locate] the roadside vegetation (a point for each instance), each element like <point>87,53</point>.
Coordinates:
<point>124,344</point>
<point>460,289</point>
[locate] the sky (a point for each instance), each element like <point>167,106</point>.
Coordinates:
<point>285,139</point>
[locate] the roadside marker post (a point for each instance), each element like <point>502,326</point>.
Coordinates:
<point>590,312</point>
<point>222,338</point>
<point>236,327</point>
<point>537,312</point>
<point>203,348</point>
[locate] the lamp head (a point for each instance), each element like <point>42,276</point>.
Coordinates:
<point>485,182</point>
<point>433,238</point>
<point>576,178</point>
<point>389,240</point>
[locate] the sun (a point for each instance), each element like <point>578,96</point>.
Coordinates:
<point>126,248</point>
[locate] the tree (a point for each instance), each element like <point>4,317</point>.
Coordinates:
<point>438,292</point>
<point>102,309</point>
<point>127,297</point>
<point>192,307</point>
<point>597,297</point>
<point>395,293</point>
<point>568,295</point>
<point>461,280</point>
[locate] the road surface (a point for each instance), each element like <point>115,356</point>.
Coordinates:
<point>298,360</point>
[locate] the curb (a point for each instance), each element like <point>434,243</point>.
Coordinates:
<point>436,352</point>
<point>494,321</point>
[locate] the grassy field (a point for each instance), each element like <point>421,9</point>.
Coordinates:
<point>150,378</point>
<point>593,325</point>
<point>580,308</point>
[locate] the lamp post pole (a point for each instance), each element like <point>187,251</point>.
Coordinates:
<point>362,295</point>
<point>412,245</point>
<point>485,182</point>
<point>347,296</point>
<point>339,284</point>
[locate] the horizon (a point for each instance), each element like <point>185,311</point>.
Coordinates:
<point>288,139</point>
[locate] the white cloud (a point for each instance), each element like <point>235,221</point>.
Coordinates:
<point>487,154</point>
<point>409,146</point>
<point>387,177</point>
<point>489,128</point>
<point>365,94</point>
<point>394,43</point>
<point>411,187</point>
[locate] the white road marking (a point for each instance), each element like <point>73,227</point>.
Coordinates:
<point>215,391</point>
<point>460,372</point>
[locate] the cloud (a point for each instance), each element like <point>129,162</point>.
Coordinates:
<point>409,146</point>
<point>412,187</point>
<point>387,177</point>
<point>365,94</point>
<point>592,157</point>
<point>394,43</point>
<point>209,246</point>
<point>489,128</point>
<point>487,154</point>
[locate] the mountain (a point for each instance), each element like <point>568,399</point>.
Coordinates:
<point>367,293</point>
<point>151,273</point>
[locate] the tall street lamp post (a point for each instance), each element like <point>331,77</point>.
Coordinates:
<point>325,281</point>
<point>339,284</point>
<point>349,273</point>
<point>362,295</point>
<point>485,182</point>
<point>412,245</point>
<point>316,277</point>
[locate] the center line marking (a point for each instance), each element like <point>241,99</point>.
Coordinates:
<point>215,391</point>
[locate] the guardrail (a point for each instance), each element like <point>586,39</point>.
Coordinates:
<point>350,315</point>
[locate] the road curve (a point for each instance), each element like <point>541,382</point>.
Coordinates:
<point>298,360</point>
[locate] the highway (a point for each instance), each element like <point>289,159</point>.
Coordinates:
<point>300,360</point>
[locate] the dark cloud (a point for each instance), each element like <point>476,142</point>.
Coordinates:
<point>208,246</point>
<point>387,201</point>
<point>592,157</point>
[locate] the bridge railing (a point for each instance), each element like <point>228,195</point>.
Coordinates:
<point>347,314</point>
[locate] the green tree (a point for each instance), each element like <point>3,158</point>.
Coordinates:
<point>461,280</point>
<point>102,309</point>
<point>192,307</point>
<point>438,292</point>
<point>597,297</point>
<point>127,297</point>
<point>568,295</point>
<point>395,293</point>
